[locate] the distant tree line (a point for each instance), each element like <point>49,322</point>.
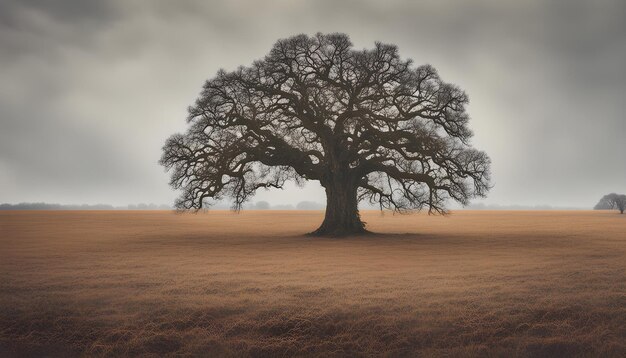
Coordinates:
<point>303,205</point>
<point>482,206</point>
<point>259,205</point>
<point>143,206</point>
<point>52,206</point>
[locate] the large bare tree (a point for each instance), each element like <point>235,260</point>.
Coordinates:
<point>366,124</point>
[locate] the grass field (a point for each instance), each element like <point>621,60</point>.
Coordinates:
<point>219,284</point>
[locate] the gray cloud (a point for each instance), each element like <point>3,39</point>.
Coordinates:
<point>90,90</point>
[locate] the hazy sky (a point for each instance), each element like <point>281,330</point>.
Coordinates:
<point>90,90</point>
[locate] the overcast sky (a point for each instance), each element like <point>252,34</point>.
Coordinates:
<point>90,90</point>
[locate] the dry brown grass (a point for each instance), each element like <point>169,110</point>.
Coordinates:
<point>220,284</point>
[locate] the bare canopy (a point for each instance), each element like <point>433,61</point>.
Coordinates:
<point>366,124</point>
<point>612,201</point>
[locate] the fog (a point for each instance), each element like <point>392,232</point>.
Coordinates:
<point>91,90</point>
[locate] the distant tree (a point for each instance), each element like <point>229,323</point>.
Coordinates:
<point>262,205</point>
<point>612,201</point>
<point>366,124</point>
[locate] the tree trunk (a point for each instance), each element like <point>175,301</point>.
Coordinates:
<point>342,213</point>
